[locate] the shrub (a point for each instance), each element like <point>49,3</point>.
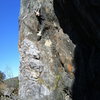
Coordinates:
<point>2,76</point>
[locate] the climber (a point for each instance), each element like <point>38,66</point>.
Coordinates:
<point>41,19</point>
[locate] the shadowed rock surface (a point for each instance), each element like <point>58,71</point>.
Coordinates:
<point>46,69</point>
<point>80,19</point>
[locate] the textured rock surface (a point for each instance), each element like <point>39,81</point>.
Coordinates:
<point>46,69</point>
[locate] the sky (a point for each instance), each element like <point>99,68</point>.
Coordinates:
<point>9,55</point>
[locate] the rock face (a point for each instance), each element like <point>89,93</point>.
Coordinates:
<point>46,69</point>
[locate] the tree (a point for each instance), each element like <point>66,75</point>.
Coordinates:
<point>8,72</point>
<point>2,76</point>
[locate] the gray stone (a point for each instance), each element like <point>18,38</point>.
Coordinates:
<point>46,69</point>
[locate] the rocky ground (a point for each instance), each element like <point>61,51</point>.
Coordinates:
<point>9,89</point>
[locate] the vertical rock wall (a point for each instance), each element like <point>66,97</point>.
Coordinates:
<point>46,69</point>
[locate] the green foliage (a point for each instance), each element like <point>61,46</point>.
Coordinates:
<point>2,76</point>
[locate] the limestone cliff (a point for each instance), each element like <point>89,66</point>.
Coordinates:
<point>46,69</point>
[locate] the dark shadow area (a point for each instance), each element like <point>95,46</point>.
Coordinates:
<point>80,19</point>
